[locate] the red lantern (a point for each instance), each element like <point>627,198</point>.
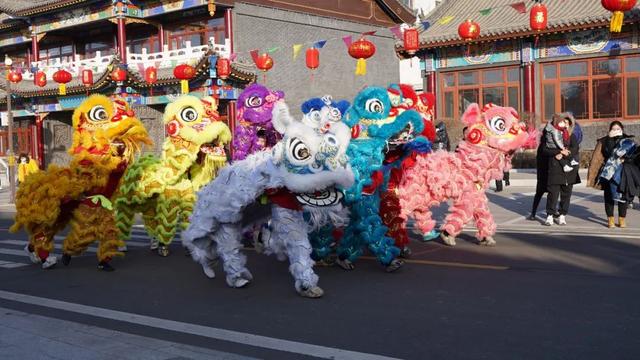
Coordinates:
<point>538,17</point>
<point>151,75</point>
<point>469,30</point>
<point>361,49</point>
<point>87,77</point>
<point>223,68</point>
<point>618,7</point>
<point>14,76</point>
<point>411,41</point>
<point>40,79</point>
<point>184,73</point>
<point>62,77</point>
<point>264,62</point>
<point>313,58</point>
<point>119,75</point>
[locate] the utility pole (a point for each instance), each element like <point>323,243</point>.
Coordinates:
<point>11,155</point>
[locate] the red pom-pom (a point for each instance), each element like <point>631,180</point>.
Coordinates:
<point>355,131</point>
<point>172,128</point>
<point>474,136</point>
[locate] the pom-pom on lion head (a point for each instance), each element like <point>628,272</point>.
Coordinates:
<point>106,131</point>
<point>496,127</point>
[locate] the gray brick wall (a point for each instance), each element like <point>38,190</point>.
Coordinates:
<point>258,27</point>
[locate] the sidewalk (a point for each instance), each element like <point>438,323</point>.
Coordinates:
<point>6,210</point>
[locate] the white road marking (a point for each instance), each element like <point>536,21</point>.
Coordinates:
<point>10,264</point>
<point>199,330</point>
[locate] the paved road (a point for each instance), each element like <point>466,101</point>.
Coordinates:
<point>554,293</point>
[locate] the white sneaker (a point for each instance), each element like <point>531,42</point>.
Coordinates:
<point>574,163</point>
<point>154,244</point>
<point>32,255</point>
<point>50,262</point>
<point>562,220</point>
<point>567,168</point>
<point>549,221</point>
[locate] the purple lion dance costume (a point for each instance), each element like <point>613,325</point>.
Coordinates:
<point>254,121</point>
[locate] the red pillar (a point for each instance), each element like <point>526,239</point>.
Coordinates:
<point>40,140</point>
<point>231,120</point>
<point>161,40</point>
<point>228,27</point>
<point>430,86</point>
<point>529,87</point>
<point>122,35</point>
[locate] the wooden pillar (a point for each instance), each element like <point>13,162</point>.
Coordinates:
<point>35,49</point>
<point>228,28</point>
<point>39,140</point>
<point>161,39</point>
<point>122,34</point>
<point>529,87</point>
<point>430,86</point>
<point>231,119</point>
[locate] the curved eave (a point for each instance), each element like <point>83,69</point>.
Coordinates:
<point>398,12</point>
<point>400,51</point>
<point>44,8</point>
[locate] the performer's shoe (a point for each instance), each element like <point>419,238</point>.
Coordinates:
<point>66,259</point>
<point>448,239</point>
<point>405,253</point>
<point>433,234</point>
<point>105,266</point>
<point>312,292</point>
<point>32,255</point>
<point>345,264</point>
<point>487,241</point>
<point>50,262</point>
<point>163,250</point>
<point>123,248</point>
<point>327,261</point>
<point>394,265</point>
<point>153,244</point>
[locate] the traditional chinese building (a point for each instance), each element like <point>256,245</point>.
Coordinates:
<point>575,64</point>
<point>131,36</point>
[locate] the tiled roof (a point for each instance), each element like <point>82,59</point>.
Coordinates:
<point>503,21</point>
<point>28,7</point>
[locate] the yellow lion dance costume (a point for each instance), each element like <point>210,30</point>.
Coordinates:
<point>163,189</point>
<point>106,137</point>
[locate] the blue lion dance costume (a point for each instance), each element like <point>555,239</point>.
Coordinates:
<point>377,128</point>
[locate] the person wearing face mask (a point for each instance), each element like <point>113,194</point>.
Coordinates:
<point>26,167</point>
<point>611,154</point>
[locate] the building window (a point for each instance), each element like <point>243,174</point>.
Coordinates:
<point>196,32</point>
<point>500,86</point>
<point>593,89</point>
<point>52,52</point>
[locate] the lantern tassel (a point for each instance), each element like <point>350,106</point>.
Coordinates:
<point>616,21</point>
<point>184,86</point>
<point>361,67</point>
<point>62,89</point>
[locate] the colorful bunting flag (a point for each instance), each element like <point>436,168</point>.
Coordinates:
<point>519,7</point>
<point>445,20</point>
<point>320,44</point>
<point>426,25</point>
<point>395,30</point>
<point>296,50</point>
<point>273,49</point>
<point>347,40</point>
<point>486,11</point>
<point>254,55</point>
<point>369,33</point>
<point>233,56</point>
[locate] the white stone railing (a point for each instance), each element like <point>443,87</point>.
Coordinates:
<point>98,64</point>
<point>167,58</point>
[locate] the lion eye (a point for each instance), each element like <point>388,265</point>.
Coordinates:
<point>374,106</point>
<point>299,150</point>
<point>498,125</point>
<point>188,114</point>
<point>253,101</point>
<point>98,113</point>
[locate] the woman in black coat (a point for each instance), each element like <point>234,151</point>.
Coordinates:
<point>560,183</point>
<point>542,173</point>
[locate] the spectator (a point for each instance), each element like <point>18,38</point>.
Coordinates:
<point>442,138</point>
<point>560,182</point>
<point>542,176</point>
<point>605,149</point>
<point>6,169</point>
<point>26,167</point>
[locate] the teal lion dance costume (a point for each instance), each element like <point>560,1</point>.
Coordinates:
<point>376,129</point>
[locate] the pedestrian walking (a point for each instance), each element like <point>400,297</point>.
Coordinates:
<point>6,169</point>
<point>542,175</point>
<point>559,181</point>
<point>610,166</point>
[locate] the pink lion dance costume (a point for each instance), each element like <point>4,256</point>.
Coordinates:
<point>493,135</point>
<point>254,131</point>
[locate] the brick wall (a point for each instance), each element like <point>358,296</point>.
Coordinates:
<point>257,27</point>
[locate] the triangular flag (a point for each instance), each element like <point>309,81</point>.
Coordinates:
<point>445,20</point>
<point>519,7</point>
<point>369,33</point>
<point>396,31</point>
<point>347,40</point>
<point>426,25</point>
<point>296,50</point>
<point>233,56</point>
<point>273,49</point>
<point>486,11</point>
<point>254,55</point>
<point>320,44</point>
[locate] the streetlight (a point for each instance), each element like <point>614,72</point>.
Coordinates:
<point>11,155</point>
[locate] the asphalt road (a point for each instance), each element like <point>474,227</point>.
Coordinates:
<point>552,293</point>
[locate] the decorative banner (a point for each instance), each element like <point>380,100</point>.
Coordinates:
<point>445,20</point>
<point>347,40</point>
<point>519,7</point>
<point>320,44</point>
<point>296,50</point>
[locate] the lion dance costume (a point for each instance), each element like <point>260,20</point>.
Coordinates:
<point>299,176</point>
<point>254,131</point>
<point>494,134</point>
<point>163,189</point>
<point>106,137</point>
<point>375,129</point>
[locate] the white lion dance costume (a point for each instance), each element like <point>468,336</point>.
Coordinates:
<point>298,175</point>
